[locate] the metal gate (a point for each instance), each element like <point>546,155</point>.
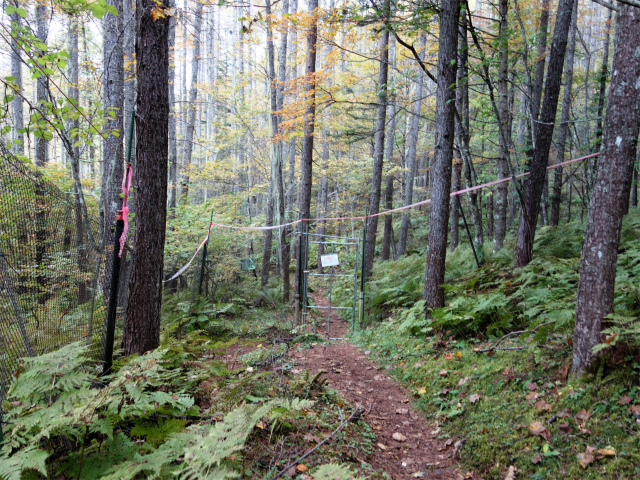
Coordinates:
<point>333,247</point>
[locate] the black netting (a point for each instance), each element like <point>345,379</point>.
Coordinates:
<point>53,273</point>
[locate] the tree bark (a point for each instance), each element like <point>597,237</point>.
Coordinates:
<point>564,125</point>
<point>610,191</point>
<point>388,157</point>
<point>387,238</point>
<point>543,136</point>
<point>142,328</point>
<point>191,107</point>
<point>502,191</point>
<point>42,146</point>
<point>604,76</point>
<point>378,149</point>
<point>455,212</point>
<point>112,145</point>
<point>173,118</point>
<point>306,157</point>
<point>445,129</point>
<point>411,152</point>
<point>17,114</point>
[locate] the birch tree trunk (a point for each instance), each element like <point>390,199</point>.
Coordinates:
<point>173,117</point>
<point>193,97</point>
<point>563,130</point>
<point>17,114</point>
<point>442,164</point>
<point>610,192</point>
<point>42,147</point>
<point>411,153</point>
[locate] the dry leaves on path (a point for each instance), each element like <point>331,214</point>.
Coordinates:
<point>398,437</point>
<point>511,473</point>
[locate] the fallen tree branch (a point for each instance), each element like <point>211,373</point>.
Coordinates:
<point>352,418</point>
<point>495,347</point>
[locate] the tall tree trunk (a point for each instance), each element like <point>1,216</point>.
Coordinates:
<point>292,140</point>
<point>564,123</point>
<point>502,189</point>
<point>455,211</point>
<point>378,150</point>
<point>74,94</point>
<point>17,114</point>
<point>604,76</point>
<point>173,118</point>
<point>142,328</point>
<point>306,157</point>
<point>42,147</point>
<point>611,191</point>
<point>388,156</point>
<point>445,131</point>
<point>191,107</point>
<point>543,136</point>
<point>113,91</point>
<point>387,238</point>
<point>411,152</point>
<point>463,130</point>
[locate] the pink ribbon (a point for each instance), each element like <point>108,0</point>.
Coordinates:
<point>126,187</point>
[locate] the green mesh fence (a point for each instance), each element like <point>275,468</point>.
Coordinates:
<point>54,277</point>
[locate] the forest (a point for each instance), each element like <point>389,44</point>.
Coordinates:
<point>319,239</point>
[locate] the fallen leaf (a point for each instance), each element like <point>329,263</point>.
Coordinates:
<point>542,406</point>
<point>511,473</point>
<point>463,381</point>
<point>606,452</point>
<point>565,413</point>
<point>444,391</point>
<point>635,409</point>
<point>458,354</point>
<point>443,373</point>
<point>304,476</point>
<point>537,459</point>
<point>582,417</point>
<point>474,398</point>
<point>590,449</point>
<point>448,442</point>
<point>585,459</point>
<point>422,390</point>
<point>398,437</point>
<point>382,446</point>
<point>448,356</point>
<point>532,386</point>
<point>418,475</point>
<point>532,397</point>
<point>402,411</point>
<point>564,426</point>
<point>536,428</point>
<point>301,468</point>
<point>626,400</point>
<point>376,427</point>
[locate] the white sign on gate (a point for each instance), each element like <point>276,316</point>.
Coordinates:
<point>330,260</point>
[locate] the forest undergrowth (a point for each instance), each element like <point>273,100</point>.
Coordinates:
<point>217,400</point>
<point>492,367</point>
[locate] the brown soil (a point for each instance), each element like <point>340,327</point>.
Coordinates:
<point>415,452</point>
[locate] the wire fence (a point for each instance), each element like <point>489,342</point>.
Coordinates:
<point>54,274</point>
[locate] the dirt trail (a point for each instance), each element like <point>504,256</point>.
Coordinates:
<point>406,445</point>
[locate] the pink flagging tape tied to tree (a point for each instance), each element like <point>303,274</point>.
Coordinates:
<point>126,187</point>
<point>364,217</point>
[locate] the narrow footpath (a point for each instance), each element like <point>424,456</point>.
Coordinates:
<point>407,445</point>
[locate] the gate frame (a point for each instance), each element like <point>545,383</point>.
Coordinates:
<point>305,241</point>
